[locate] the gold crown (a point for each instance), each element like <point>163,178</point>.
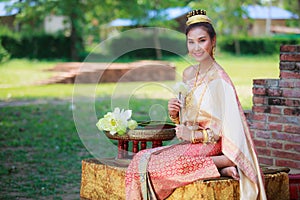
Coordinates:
<point>197,16</point>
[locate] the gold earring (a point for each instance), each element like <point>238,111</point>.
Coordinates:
<point>214,52</point>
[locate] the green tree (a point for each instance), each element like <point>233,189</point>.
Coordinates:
<point>293,6</point>
<point>85,16</point>
<point>140,9</point>
<point>33,12</point>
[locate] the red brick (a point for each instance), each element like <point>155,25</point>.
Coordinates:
<point>292,111</point>
<point>291,120</point>
<point>259,81</point>
<point>259,91</point>
<point>284,119</point>
<point>266,161</point>
<point>289,66</point>
<point>288,137</point>
<point>289,48</point>
<point>288,128</point>
<point>260,143</point>
<point>297,83</point>
<point>279,101</point>
<point>259,100</point>
<point>275,110</point>
<point>259,117</point>
<point>291,92</point>
<point>274,92</point>
<point>272,82</point>
<point>263,151</point>
<point>258,125</point>
<point>287,83</point>
<point>290,57</point>
<point>263,134</point>
<point>292,102</point>
<point>287,163</point>
<point>260,109</point>
<point>292,147</point>
<point>267,109</point>
<point>275,145</point>
<point>285,154</point>
<point>274,127</point>
<point>289,75</point>
<point>275,118</point>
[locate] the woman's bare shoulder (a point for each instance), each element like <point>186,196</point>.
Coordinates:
<point>189,73</point>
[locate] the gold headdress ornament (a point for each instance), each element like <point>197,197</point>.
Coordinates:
<point>197,16</point>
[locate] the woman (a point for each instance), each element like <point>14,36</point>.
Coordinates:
<point>216,138</point>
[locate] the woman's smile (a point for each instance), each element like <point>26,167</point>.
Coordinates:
<point>198,54</point>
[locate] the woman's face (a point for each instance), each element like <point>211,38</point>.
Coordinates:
<point>199,44</point>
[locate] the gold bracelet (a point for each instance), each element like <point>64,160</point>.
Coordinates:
<point>174,119</point>
<point>193,136</point>
<point>205,136</point>
<point>196,140</point>
<point>211,138</point>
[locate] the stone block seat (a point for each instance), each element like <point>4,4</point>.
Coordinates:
<point>107,181</point>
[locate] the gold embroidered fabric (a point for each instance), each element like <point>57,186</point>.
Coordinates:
<point>105,182</point>
<point>99,181</point>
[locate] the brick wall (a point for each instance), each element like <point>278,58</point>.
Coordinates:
<point>275,117</point>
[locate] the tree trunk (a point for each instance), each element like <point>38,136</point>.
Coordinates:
<point>73,46</point>
<point>157,44</point>
<point>237,47</point>
<point>76,40</point>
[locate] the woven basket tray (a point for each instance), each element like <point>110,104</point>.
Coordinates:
<point>147,133</point>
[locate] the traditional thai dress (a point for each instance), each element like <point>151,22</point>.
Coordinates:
<point>213,103</point>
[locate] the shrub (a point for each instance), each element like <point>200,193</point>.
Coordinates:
<point>40,46</point>
<point>266,45</point>
<point>4,55</point>
<point>131,46</point>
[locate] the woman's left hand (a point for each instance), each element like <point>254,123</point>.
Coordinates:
<point>183,132</point>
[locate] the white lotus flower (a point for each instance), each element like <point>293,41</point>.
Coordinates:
<point>181,87</point>
<point>116,122</point>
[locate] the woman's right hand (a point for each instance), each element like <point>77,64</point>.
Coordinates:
<point>174,107</point>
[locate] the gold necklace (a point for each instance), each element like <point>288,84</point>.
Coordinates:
<point>189,97</point>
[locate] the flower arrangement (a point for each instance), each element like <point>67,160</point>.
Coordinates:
<point>117,121</point>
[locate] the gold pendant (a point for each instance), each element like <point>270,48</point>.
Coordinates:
<point>188,100</point>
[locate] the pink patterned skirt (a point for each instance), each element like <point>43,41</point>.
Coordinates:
<point>171,167</point>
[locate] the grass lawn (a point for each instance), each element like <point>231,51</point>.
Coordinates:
<point>41,148</point>
<point>18,79</point>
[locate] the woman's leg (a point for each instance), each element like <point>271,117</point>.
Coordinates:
<point>227,166</point>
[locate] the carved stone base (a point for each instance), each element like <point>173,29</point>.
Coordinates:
<point>106,182</point>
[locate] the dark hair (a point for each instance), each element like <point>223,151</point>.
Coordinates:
<point>207,26</point>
